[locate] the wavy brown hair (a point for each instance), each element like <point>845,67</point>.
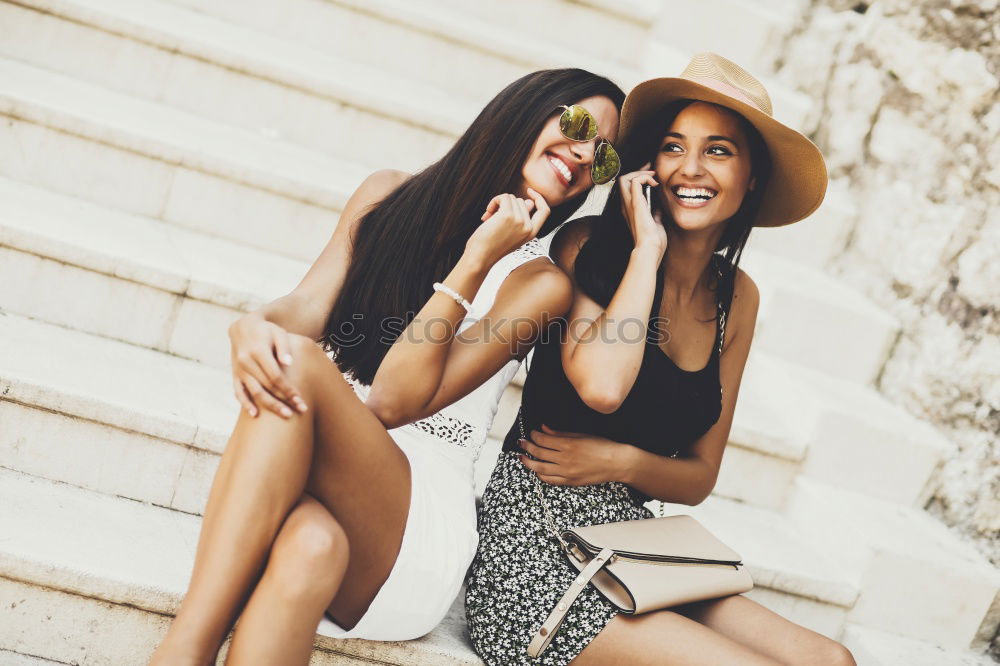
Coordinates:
<point>417,234</point>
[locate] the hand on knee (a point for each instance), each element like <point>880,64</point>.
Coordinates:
<point>305,354</point>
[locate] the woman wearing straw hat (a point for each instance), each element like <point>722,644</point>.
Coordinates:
<point>611,418</point>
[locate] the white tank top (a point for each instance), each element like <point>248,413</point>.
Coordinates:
<point>460,429</point>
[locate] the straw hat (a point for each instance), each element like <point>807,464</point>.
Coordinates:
<point>798,173</point>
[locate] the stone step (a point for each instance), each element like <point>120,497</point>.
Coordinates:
<point>895,553</point>
<point>606,33</point>
<point>8,658</point>
<point>816,321</point>
<point>794,421</point>
<point>496,43</point>
<point>146,158</point>
<point>819,238</point>
<point>109,416</point>
<point>751,35</point>
<point>98,583</point>
<point>277,88</point>
<point>81,265</point>
<point>858,440</point>
<point>871,647</point>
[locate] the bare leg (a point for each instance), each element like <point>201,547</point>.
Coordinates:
<point>264,472</point>
<point>758,628</point>
<point>303,574</point>
<point>665,638</point>
<point>261,474</point>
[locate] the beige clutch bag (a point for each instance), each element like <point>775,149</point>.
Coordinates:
<point>643,565</point>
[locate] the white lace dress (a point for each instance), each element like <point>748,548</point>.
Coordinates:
<point>440,537</point>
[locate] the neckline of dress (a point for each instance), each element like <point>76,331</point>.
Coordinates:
<point>712,356</point>
<point>715,343</point>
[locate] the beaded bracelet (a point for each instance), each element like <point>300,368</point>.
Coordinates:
<point>445,289</point>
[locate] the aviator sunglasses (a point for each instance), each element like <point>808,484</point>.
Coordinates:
<point>577,124</point>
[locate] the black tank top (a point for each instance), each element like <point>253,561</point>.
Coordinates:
<point>666,411</point>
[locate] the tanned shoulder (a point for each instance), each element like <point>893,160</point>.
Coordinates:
<point>743,311</point>
<point>380,183</point>
<point>542,277</point>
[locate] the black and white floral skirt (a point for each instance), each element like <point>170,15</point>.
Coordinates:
<point>519,572</point>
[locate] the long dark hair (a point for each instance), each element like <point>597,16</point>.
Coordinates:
<point>417,234</point>
<point>601,262</point>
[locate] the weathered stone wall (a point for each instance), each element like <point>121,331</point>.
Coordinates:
<point>908,111</point>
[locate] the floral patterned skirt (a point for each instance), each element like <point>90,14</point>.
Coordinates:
<point>519,572</point>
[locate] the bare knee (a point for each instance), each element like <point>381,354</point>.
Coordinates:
<point>313,371</point>
<point>840,655</point>
<point>309,556</point>
<point>829,652</point>
<point>306,354</point>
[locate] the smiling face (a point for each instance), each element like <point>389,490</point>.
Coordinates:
<point>559,168</point>
<point>703,165</point>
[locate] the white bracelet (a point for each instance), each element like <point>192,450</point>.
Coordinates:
<point>454,294</point>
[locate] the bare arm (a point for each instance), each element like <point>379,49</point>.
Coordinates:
<point>527,301</point>
<point>429,367</point>
<point>603,352</point>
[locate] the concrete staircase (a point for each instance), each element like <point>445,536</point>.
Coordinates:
<point>168,165</point>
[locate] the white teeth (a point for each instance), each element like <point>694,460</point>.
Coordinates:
<point>698,192</point>
<point>562,168</point>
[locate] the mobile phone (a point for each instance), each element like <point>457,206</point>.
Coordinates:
<point>647,191</point>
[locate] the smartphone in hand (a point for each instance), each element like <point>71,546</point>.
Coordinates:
<point>647,191</point>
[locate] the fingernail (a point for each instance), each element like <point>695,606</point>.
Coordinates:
<point>303,407</point>
<point>253,411</point>
<point>285,411</point>
<point>287,358</point>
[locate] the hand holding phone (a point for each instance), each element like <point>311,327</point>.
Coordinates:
<point>644,223</point>
<point>660,232</point>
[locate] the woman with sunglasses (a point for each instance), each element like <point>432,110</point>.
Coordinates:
<point>346,488</point>
<point>620,406</point>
